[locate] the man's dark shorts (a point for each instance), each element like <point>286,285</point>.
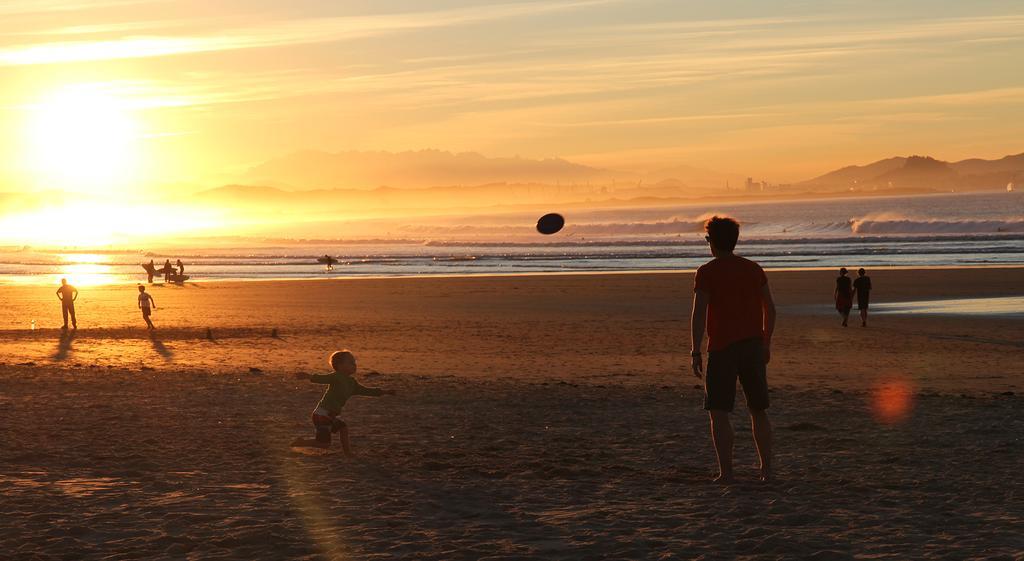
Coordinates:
<point>743,360</point>
<point>862,302</point>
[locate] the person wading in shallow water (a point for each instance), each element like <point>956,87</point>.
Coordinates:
<point>732,299</point>
<point>67,295</point>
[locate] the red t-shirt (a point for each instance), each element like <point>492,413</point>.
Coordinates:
<point>733,285</point>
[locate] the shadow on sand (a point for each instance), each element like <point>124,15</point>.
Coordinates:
<point>160,348</point>
<point>64,345</point>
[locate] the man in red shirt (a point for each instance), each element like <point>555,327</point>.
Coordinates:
<point>731,298</point>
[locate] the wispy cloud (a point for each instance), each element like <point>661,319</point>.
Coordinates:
<point>26,7</point>
<point>277,33</point>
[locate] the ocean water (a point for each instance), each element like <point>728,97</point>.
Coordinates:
<point>934,230</point>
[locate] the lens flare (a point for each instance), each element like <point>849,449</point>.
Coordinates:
<point>892,402</point>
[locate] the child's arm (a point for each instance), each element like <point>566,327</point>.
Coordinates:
<point>372,392</point>
<point>316,378</point>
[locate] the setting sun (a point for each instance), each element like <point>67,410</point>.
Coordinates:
<point>82,138</point>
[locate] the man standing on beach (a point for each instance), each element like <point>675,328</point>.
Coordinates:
<point>67,295</point>
<point>732,298</point>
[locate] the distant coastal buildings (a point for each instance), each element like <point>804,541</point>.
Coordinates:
<point>763,186</point>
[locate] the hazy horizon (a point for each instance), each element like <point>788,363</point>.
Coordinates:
<point>128,112</point>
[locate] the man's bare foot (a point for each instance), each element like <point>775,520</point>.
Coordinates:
<point>725,479</point>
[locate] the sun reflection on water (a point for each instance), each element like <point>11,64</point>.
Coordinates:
<point>85,269</point>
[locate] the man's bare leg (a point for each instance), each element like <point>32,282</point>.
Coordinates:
<point>761,427</point>
<point>723,437</point>
<point>864,318</point>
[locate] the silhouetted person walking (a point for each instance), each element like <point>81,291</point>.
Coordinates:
<point>731,297</point>
<point>181,268</point>
<point>167,270</point>
<point>147,305</point>
<point>844,295</point>
<point>862,289</point>
<point>67,295</point>
<point>151,270</point>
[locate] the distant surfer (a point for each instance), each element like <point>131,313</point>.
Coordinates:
<point>181,268</point>
<point>844,295</point>
<point>167,270</point>
<point>328,261</point>
<point>151,270</point>
<point>862,290</point>
<point>67,295</point>
<point>147,305</point>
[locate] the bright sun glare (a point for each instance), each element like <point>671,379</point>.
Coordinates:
<point>84,139</point>
<point>93,224</point>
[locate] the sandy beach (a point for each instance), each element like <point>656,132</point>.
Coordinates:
<point>537,417</point>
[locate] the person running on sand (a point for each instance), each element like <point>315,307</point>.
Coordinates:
<point>67,295</point>
<point>341,386</point>
<point>732,299</point>
<point>147,305</point>
<point>844,295</point>
<point>862,290</point>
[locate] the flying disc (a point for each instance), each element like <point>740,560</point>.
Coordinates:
<point>550,223</point>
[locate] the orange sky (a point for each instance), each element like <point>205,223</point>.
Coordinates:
<point>129,96</point>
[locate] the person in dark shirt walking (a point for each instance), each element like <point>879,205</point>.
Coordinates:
<point>862,290</point>
<point>844,295</point>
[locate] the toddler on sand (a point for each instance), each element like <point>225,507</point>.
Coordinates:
<point>341,386</point>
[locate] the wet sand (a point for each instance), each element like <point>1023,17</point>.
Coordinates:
<point>537,417</point>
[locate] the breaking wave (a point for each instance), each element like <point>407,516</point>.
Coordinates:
<point>934,226</point>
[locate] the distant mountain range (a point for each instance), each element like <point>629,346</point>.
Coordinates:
<point>353,170</point>
<point>922,173</point>
<point>391,201</point>
<point>312,169</point>
<point>430,181</point>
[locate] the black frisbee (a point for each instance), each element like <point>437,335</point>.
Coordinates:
<point>550,223</point>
